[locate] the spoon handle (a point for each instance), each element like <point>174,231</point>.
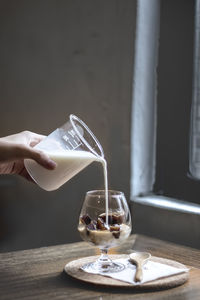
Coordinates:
<point>138,274</point>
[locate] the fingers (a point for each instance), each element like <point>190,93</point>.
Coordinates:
<point>43,159</point>
<point>23,152</point>
<point>26,175</point>
<point>10,152</point>
<point>25,137</point>
<point>35,141</point>
<point>32,138</point>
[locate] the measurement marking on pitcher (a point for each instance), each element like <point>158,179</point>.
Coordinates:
<point>73,142</point>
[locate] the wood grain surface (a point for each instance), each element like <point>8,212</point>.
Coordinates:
<point>38,273</point>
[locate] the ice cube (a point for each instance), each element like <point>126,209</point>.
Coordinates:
<point>101,224</point>
<point>85,219</point>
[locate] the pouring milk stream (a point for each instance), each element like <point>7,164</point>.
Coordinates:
<point>73,147</point>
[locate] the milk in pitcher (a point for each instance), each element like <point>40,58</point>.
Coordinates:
<point>69,163</point>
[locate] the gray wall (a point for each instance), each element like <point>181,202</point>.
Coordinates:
<point>56,58</point>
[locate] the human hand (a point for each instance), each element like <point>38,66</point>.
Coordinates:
<point>15,148</point>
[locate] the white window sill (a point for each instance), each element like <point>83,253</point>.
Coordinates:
<point>168,203</point>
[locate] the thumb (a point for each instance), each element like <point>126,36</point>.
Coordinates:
<point>43,159</point>
<point>37,155</point>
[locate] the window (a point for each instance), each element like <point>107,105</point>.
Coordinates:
<point>162,98</point>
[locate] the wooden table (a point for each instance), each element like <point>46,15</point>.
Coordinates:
<point>38,273</point>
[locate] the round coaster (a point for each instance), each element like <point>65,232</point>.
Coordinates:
<point>73,269</point>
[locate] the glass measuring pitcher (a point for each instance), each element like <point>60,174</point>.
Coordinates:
<point>73,146</point>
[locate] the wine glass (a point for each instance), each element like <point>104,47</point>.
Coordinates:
<point>104,226</point>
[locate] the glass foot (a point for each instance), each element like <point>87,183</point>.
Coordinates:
<point>109,267</point>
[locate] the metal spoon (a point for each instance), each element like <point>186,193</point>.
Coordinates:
<point>139,259</point>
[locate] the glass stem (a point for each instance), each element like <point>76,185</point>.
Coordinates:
<point>104,260</point>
